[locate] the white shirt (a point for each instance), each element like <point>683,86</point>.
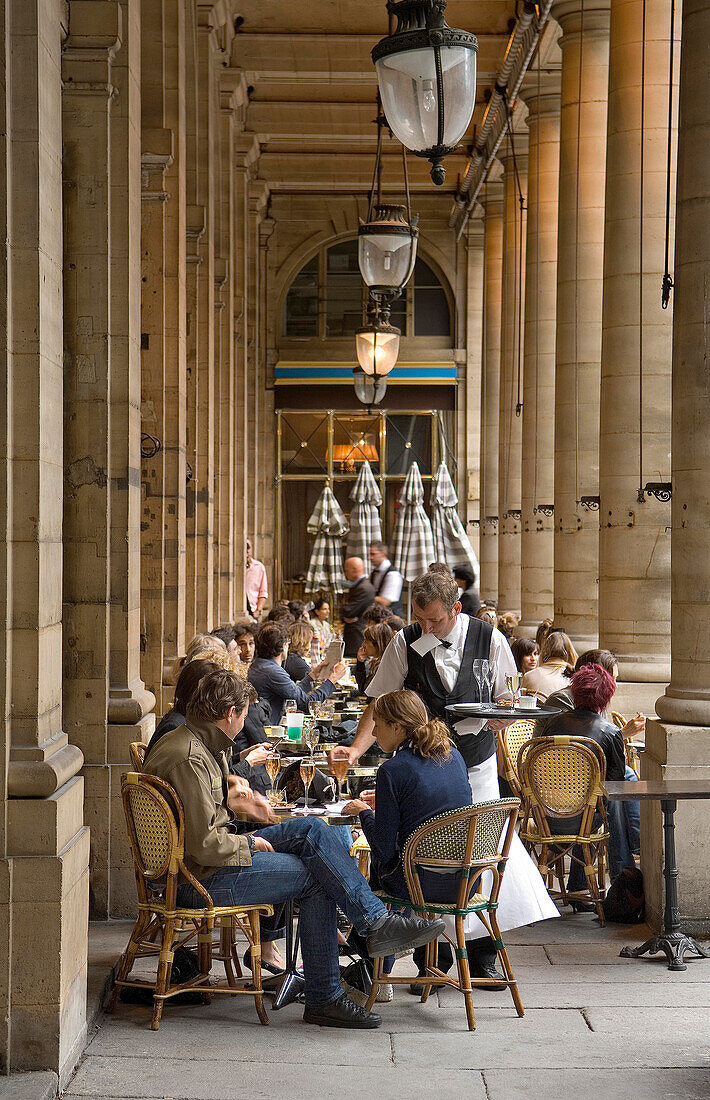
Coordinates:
<point>392,670</point>
<point>391,588</point>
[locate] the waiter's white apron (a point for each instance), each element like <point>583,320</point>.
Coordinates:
<point>523,897</point>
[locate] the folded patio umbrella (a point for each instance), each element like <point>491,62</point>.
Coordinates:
<point>328,524</point>
<point>451,543</point>
<point>413,541</point>
<point>364,516</point>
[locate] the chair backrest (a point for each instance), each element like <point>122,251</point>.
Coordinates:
<point>618,719</point>
<point>137,752</point>
<point>562,776</point>
<point>511,739</point>
<point>466,842</point>
<point>156,832</point>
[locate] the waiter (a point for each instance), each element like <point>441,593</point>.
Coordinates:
<point>385,579</point>
<point>434,657</point>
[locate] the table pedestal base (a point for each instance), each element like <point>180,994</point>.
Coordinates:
<point>675,945</point>
<point>292,986</point>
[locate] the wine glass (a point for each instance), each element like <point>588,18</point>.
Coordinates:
<point>312,735</point>
<point>339,761</point>
<point>490,680</point>
<point>478,672</point>
<point>273,767</point>
<point>513,682</point>
<point>307,769</point>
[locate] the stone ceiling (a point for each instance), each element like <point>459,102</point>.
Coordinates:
<point>314,88</point>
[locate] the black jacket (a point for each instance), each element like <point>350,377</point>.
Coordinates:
<point>362,596</point>
<point>587,723</point>
<point>469,601</point>
<point>296,667</point>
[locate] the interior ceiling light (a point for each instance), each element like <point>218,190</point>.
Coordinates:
<point>426,73</point>
<point>369,390</point>
<point>387,241</point>
<point>377,342</point>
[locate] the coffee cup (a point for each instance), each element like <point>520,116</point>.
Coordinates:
<point>527,702</point>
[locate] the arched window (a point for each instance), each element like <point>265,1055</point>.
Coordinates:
<point>327,299</point>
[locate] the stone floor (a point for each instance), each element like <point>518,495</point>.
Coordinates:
<point>596,1026</point>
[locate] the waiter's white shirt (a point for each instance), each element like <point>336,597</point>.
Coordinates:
<point>392,671</point>
<point>392,584</point>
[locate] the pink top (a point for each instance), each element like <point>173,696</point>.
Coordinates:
<point>255,583</point>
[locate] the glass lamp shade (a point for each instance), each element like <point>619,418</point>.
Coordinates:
<point>387,249</point>
<point>377,348</point>
<point>368,390</point>
<point>410,95</point>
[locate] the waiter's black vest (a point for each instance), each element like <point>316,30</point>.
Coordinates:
<point>423,678</point>
<point>377,582</point>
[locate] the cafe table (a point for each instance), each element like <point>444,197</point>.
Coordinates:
<point>288,986</point>
<point>673,941</point>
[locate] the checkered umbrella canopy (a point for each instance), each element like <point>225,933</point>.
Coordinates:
<point>328,524</point>
<point>413,541</point>
<point>451,543</point>
<point>364,516</point>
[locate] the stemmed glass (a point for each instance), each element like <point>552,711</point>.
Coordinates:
<point>312,736</point>
<point>273,767</point>
<point>480,669</point>
<point>339,760</point>
<point>307,769</point>
<point>490,677</point>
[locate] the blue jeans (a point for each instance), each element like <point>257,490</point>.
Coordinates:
<point>624,830</point>
<point>310,862</point>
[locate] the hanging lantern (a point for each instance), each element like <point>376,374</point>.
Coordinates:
<point>377,342</point>
<point>426,73</point>
<point>387,249</point>
<point>368,390</point>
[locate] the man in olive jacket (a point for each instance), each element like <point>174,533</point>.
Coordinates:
<point>301,858</point>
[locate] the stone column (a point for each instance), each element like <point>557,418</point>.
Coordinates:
<point>634,540</point>
<point>106,705</point>
<point>538,439</point>
<point>490,386</point>
<point>267,433</point>
<point>44,856</point>
<point>679,745</point>
<point>195,231</point>
<point>246,154</point>
<point>163,325</point>
<point>585,63</point>
<point>470,388</point>
<point>511,368</point>
<point>257,192</point>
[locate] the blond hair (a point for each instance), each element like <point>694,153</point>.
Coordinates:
<point>206,647</point>
<point>429,737</point>
<point>557,646</point>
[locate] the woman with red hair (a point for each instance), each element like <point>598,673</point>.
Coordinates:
<point>592,689</point>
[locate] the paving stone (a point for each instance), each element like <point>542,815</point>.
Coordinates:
<point>189,1080</point>
<point>580,954</point>
<point>226,1032</point>
<point>29,1086</point>
<point>576,928</point>
<point>592,1084</point>
<point>599,994</point>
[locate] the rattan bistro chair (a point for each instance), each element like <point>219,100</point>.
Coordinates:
<point>510,741</point>
<point>562,780</point>
<point>156,832</point>
<point>470,842</point>
<point>137,752</point>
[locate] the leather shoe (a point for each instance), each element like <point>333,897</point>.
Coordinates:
<point>341,1013</point>
<point>268,967</point>
<point>397,933</point>
<point>482,970</point>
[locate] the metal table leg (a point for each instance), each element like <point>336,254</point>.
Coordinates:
<point>672,940</point>
<point>290,984</point>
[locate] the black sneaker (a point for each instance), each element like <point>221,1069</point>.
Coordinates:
<point>398,933</point>
<point>341,1013</point>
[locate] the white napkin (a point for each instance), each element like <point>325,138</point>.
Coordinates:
<point>425,644</point>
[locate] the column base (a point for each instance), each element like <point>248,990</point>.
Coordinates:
<point>677,752</point>
<point>633,697</point>
<point>45,883</point>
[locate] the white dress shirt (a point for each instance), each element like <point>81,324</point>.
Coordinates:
<point>392,670</point>
<point>391,588</point>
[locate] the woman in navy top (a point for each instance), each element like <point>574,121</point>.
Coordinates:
<point>426,776</point>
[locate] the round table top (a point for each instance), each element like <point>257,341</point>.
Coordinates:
<point>486,711</point>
